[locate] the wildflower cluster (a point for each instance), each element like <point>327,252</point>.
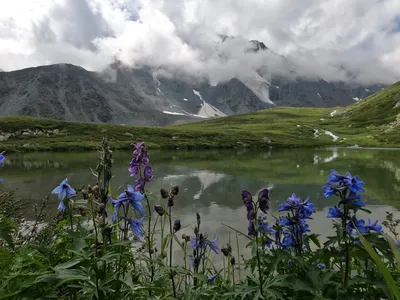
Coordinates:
<point>288,231</point>
<point>140,166</point>
<point>293,227</point>
<point>349,189</point>
<point>2,158</point>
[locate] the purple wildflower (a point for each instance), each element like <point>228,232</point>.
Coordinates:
<point>177,225</point>
<point>159,209</point>
<point>334,212</point>
<point>263,200</point>
<point>374,226</point>
<point>250,228</point>
<point>321,266</point>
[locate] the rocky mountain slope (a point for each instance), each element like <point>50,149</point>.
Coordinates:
<point>125,96</point>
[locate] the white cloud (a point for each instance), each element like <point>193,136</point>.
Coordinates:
<point>319,37</point>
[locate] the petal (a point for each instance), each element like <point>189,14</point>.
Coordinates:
<point>70,192</point>
<point>57,190</point>
<point>62,194</point>
<point>61,206</point>
<point>138,206</point>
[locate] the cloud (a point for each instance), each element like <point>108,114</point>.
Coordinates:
<point>332,39</point>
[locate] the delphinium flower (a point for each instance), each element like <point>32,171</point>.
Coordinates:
<point>293,226</point>
<point>348,189</point>
<point>397,243</point>
<point>64,191</point>
<point>2,158</point>
<point>140,160</point>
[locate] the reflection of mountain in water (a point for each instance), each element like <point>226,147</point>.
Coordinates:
<point>215,178</point>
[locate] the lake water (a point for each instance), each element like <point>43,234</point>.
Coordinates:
<point>211,181</point>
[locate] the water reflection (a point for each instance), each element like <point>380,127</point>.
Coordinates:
<point>211,181</point>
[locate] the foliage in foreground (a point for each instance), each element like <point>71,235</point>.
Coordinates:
<point>104,245</point>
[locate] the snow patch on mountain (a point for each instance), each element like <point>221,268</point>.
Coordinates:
<point>356,99</point>
<point>207,110</point>
<point>260,87</point>
<point>334,137</point>
<point>173,113</point>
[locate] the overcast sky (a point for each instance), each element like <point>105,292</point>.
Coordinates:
<point>325,38</point>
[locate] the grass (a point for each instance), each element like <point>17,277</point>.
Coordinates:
<point>368,123</point>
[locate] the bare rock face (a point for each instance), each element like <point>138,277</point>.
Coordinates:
<point>120,95</point>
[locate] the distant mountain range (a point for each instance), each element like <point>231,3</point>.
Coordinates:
<point>138,96</point>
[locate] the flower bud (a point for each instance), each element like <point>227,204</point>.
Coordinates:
<point>233,261</point>
<point>175,190</point>
<point>164,193</point>
<point>177,225</point>
<point>171,201</point>
<point>159,209</point>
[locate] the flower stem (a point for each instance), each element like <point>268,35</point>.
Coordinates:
<point>170,251</point>
<point>149,241</point>
<point>259,266</point>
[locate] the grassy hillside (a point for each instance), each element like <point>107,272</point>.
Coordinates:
<point>373,122</point>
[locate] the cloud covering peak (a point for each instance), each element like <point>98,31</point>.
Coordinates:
<point>355,40</point>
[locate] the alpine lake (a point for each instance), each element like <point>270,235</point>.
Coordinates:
<point>211,181</point>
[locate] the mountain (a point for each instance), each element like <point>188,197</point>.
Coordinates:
<point>120,95</point>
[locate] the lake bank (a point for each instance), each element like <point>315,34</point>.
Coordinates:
<point>278,128</point>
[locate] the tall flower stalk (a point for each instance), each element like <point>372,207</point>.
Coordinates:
<point>349,190</point>
<point>252,208</point>
<point>141,169</point>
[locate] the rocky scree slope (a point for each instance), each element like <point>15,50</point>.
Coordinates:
<point>120,95</point>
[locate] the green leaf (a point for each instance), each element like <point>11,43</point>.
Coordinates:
<point>81,202</point>
<point>7,228</point>
<point>381,266</point>
<point>395,250</point>
<point>254,249</point>
<point>314,238</point>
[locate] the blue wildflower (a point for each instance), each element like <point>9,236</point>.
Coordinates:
<point>288,240</point>
<point>212,278</point>
<point>329,191</point>
<point>2,158</point>
<point>355,200</point>
<point>64,190</point>
<point>303,227</point>
<point>374,226</point>
<point>321,266</point>
<point>266,228</point>
<point>135,198</point>
<point>335,177</point>
<point>397,243</point>
<point>359,224</point>
<point>290,203</point>
<point>195,245</point>
<point>136,226</point>
<point>354,183</point>
<point>306,209</point>
<point>334,212</point>
<point>213,245</point>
